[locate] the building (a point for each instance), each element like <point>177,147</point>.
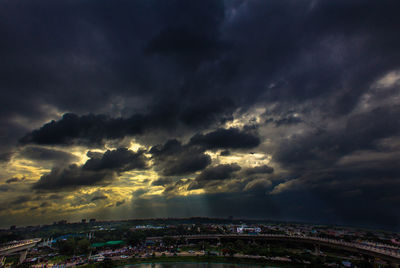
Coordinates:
<point>245,229</point>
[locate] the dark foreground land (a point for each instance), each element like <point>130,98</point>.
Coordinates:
<point>119,243</point>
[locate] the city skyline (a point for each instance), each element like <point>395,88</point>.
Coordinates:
<point>281,110</point>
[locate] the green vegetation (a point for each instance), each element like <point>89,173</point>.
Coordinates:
<point>58,259</point>
<point>73,246</point>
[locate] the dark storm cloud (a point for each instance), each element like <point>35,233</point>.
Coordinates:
<point>14,179</point>
<point>324,147</point>
<point>55,197</point>
<point>190,33</point>
<point>21,200</point>
<point>264,169</point>
<point>94,130</point>
<point>180,69</point>
<point>139,192</point>
<point>4,188</point>
<point>220,172</point>
<point>225,153</point>
<point>257,185</point>
<point>120,160</point>
<point>173,158</point>
<point>98,170</point>
<point>305,57</point>
<point>204,113</point>
<point>89,129</point>
<point>44,154</point>
<point>354,197</point>
<point>173,188</point>
<point>89,64</point>
<point>226,138</point>
<point>99,197</point>
<point>120,203</point>
<point>290,120</point>
<point>212,174</point>
<point>5,157</point>
<point>351,167</point>
<point>72,177</point>
<point>162,181</point>
<point>109,56</point>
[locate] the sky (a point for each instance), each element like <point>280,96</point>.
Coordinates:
<point>283,110</point>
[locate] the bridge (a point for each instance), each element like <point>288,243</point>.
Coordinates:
<point>18,246</point>
<point>392,256</point>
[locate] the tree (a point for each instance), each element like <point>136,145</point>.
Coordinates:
<point>169,241</point>
<point>107,263</point>
<point>182,241</point>
<point>240,245</point>
<point>231,249</point>
<point>66,247</point>
<point>83,246</point>
<point>135,238</point>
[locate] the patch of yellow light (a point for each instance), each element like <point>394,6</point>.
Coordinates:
<point>253,116</point>
<point>193,192</point>
<point>242,159</point>
<point>134,146</point>
<point>73,208</point>
<point>25,168</point>
<point>156,192</point>
<point>81,153</point>
<point>213,155</point>
<point>123,192</point>
<point>138,175</point>
<point>136,179</point>
<point>390,79</point>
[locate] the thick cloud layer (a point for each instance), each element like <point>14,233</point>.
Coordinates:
<point>48,155</point>
<point>256,102</point>
<point>100,169</point>
<point>213,174</point>
<point>226,138</point>
<point>175,159</point>
<point>119,160</point>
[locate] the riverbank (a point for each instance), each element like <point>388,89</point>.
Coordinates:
<point>198,259</point>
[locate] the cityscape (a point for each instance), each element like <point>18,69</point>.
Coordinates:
<point>115,243</point>
<point>199,133</point>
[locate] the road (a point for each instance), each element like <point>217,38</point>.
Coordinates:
<point>386,254</point>
<point>18,246</point>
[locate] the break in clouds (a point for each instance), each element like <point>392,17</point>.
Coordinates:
<point>286,110</point>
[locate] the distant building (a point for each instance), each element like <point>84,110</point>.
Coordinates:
<point>12,227</point>
<point>83,220</point>
<point>62,222</point>
<point>245,229</point>
<point>145,227</point>
<point>92,220</point>
<point>346,263</point>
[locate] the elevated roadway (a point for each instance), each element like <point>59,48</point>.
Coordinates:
<point>18,246</point>
<point>391,256</point>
